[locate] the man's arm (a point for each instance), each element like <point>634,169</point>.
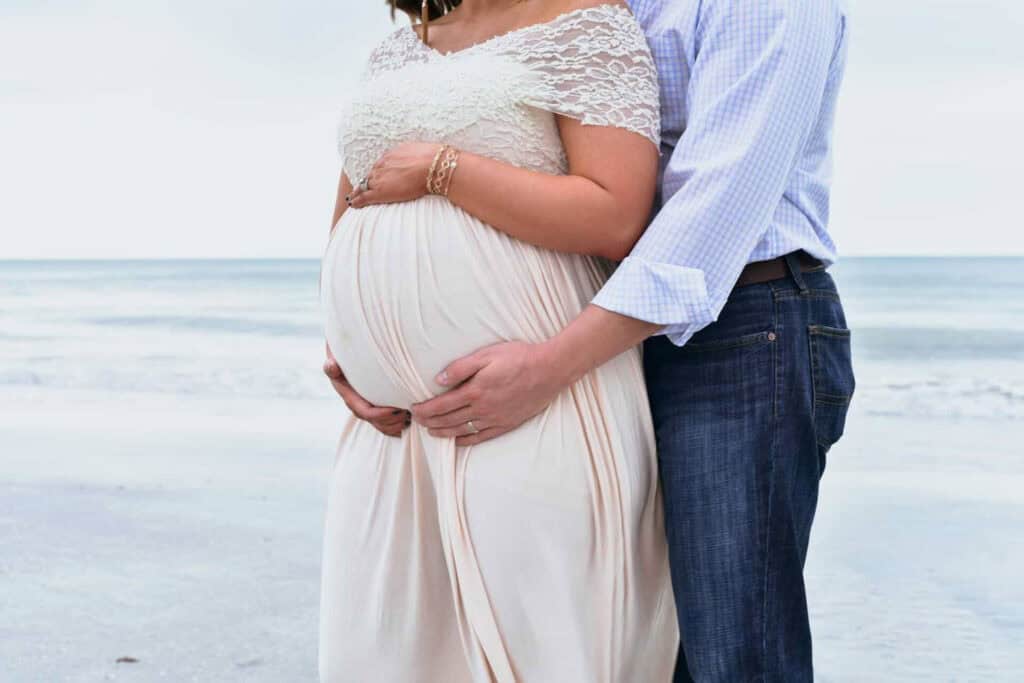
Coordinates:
<point>754,96</point>
<point>504,385</point>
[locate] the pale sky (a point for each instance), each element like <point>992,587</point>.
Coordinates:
<point>188,128</point>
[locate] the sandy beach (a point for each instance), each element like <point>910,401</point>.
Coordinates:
<point>185,533</point>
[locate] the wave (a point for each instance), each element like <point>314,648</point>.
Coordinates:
<point>232,325</point>
<point>881,391</point>
<point>944,398</point>
<point>938,343</point>
<point>304,383</point>
<point>273,272</point>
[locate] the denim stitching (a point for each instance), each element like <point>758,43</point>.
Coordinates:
<point>815,331</point>
<point>728,344</point>
<point>765,548</point>
<point>782,294</point>
<point>826,331</point>
<point>812,348</point>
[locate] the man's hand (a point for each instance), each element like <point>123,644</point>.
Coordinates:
<point>499,388</point>
<point>390,421</point>
<point>502,386</point>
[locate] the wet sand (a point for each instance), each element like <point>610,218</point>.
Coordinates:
<point>184,533</point>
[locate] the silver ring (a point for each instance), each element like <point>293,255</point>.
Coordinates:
<point>472,428</point>
<point>364,184</point>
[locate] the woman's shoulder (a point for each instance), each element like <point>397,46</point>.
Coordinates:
<point>590,26</point>
<point>569,18</point>
<point>556,8</point>
<point>570,11</point>
<point>393,40</point>
<point>595,66</point>
<point>392,52</point>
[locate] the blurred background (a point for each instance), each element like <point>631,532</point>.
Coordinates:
<point>167,175</point>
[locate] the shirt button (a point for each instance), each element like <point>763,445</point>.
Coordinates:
<point>771,336</point>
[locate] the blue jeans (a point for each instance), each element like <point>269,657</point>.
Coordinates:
<point>744,415</point>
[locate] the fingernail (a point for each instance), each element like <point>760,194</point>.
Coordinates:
<point>348,197</point>
<point>396,411</point>
<point>442,379</point>
<point>408,423</point>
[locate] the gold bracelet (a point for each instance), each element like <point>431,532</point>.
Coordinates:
<point>433,169</point>
<point>433,182</point>
<point>440,177</point>
<point>451,161</point>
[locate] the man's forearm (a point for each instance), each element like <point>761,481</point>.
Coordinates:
<point>596,336</point>
<point>502,386</point>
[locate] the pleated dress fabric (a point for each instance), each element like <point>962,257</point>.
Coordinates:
<point>538,556</point>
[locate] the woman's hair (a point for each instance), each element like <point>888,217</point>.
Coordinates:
<point>438,8</point>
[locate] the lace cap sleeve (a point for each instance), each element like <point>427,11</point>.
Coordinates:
<point>594,65</point>
<point>391,54</point>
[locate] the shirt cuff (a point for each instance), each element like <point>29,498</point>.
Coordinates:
<point>660,293</point>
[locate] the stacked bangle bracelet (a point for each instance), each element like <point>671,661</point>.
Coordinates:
<point>439,178</point>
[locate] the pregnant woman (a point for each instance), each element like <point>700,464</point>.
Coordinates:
<point>496,156</point>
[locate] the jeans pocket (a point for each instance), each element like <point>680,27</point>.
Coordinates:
<point>833,381</point>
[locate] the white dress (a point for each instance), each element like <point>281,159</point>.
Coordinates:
<point>539,556</point>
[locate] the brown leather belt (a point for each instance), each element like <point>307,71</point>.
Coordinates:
<point>776,269</point>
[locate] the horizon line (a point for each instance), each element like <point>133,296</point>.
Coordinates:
<point>157,259</point>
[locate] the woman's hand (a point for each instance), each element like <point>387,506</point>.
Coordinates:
<point>389,421</point>
<point>398,176</point>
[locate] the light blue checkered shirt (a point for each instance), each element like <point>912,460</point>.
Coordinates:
<point>748,96</point>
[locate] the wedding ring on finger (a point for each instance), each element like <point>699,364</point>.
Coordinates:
<point>364,184</point>
<point>472,428</point>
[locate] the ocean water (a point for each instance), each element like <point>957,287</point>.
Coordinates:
<point>937,338</point>
<point>213,328</point>
<point>166,437</point>
<point>934,338</point>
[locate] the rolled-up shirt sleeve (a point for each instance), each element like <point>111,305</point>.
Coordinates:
<point>756,87</point>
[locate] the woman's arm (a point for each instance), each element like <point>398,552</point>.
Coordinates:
<point>341,204</point>
<point>601,208</point>
<point>341,201</point>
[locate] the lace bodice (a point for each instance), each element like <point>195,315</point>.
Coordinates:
<point>499,98</point>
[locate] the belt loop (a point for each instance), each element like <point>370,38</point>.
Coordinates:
<point>795,271</point>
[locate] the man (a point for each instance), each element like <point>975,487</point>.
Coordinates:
<point>747,354</point>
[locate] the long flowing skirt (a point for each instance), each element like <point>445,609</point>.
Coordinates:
<point>539,556</point>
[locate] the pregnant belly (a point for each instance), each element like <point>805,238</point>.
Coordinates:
<point>408,288</point>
